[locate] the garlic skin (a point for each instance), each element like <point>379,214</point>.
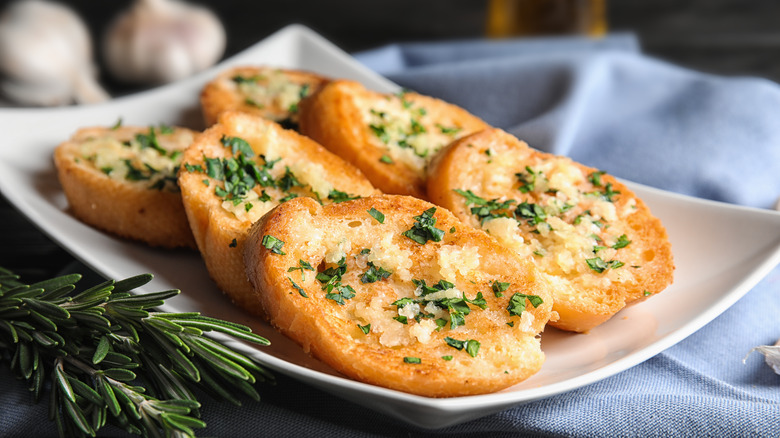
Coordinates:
<point>771,355</point>
<point>160,41</point>
<point>46,56</point>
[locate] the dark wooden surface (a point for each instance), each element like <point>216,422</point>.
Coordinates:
<point>729,37</point>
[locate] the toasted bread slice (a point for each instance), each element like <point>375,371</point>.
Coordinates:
<point>597,241</point>
<point>239,169</point>
<point>268,92</point>
<point>392,291</point>
<point>390,137</point>
<point>123,180</point>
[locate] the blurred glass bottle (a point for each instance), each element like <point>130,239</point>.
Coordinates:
<point>508,18</point>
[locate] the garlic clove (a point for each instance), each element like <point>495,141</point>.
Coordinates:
<point>160,41</point>
<point>46,55</point>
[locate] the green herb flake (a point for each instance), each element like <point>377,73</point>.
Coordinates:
<point>237,145</point>
<point>516,305</point>
<point>303,265</point>
<point>365,328</point>
<point>448,130</point>
<point>447,358</point>
<point>599,265</point>
<point>374,274</point>
<point>499,287</point>
<point>412,360</point>
<point>376,214</point>
<point>233,243</point>
<point>117,125</point>
<point>338,196</point>
<point>452,230</point>
<point>343,292</point>
<point>386,159</point>
<point>298,288</point>
<point>595,178</point>
<point>274,244</point>
<point>471,346</point>
<point>647,293</point>
<point>424,228</point>
<point>622,242</point>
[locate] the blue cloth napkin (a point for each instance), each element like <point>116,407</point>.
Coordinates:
<point>605,104</point>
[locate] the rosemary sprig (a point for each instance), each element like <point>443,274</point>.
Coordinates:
<point>112,359</point>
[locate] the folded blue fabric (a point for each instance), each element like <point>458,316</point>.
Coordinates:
<point>603,103</point>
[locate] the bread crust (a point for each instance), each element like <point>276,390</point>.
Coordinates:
<point>492,165</point>
<point>352,122</point>
<point>269,98</point>
<point>332,332</point>
<point>219,226</point>
<point>129,209</point>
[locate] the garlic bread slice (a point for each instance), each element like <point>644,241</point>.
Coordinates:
<point>239,169</point>
<point>595,239</point>
<point>123,180</point>
<point>268,92</point>
<point>393,291</point>
<point>390,137</point>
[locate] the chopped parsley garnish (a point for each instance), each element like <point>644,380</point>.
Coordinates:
<point>365,328</point>
<point>303,265</point>
<point>413,360</point>
<point>233,243</point>
<point>386,159</point>
<point>622,242</point>
<point>338,196</point>
<point>376,214</point>
<point>193,167</point>
<point>274,244</point>
<point>381,132</point>
<point>448,357</point>
<point>365,251</point>
<point>424,228</point>
<point>117,125</point>
<point>533,212</point>
<point>448,130</point>
<point>499,287</point>
<point>237,145</point>
<point>484,209</point>
<point>471,346</point>
<point>247,80</point>
<point>343,292</point>
<point>374,274</point>
<point>595,178</point>
<point>331,277</point>
<point>150,141</point>
<point>527,179</point>
<point>288,180</point>
<point>516,305</point>
<point>647,293</point>
<point>599,265</point>
<point>298,288</point>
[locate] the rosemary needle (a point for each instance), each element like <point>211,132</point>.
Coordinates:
<point>112,359</point>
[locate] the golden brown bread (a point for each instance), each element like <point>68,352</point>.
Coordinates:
<point>239,169</point>
<point>596,240</point>
<point>390,137</point>
<point>123,180</point>
<point>345,282</point>
<point>268,92</point>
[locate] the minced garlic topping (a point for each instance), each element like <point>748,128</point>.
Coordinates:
<point>152,164</point>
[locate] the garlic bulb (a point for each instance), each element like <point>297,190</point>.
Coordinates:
<point>46,56</point>
<point>159,41</point>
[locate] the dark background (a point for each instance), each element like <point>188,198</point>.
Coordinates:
<point>728,37</point>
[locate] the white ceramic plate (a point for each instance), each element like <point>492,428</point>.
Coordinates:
<point>721,251</point>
